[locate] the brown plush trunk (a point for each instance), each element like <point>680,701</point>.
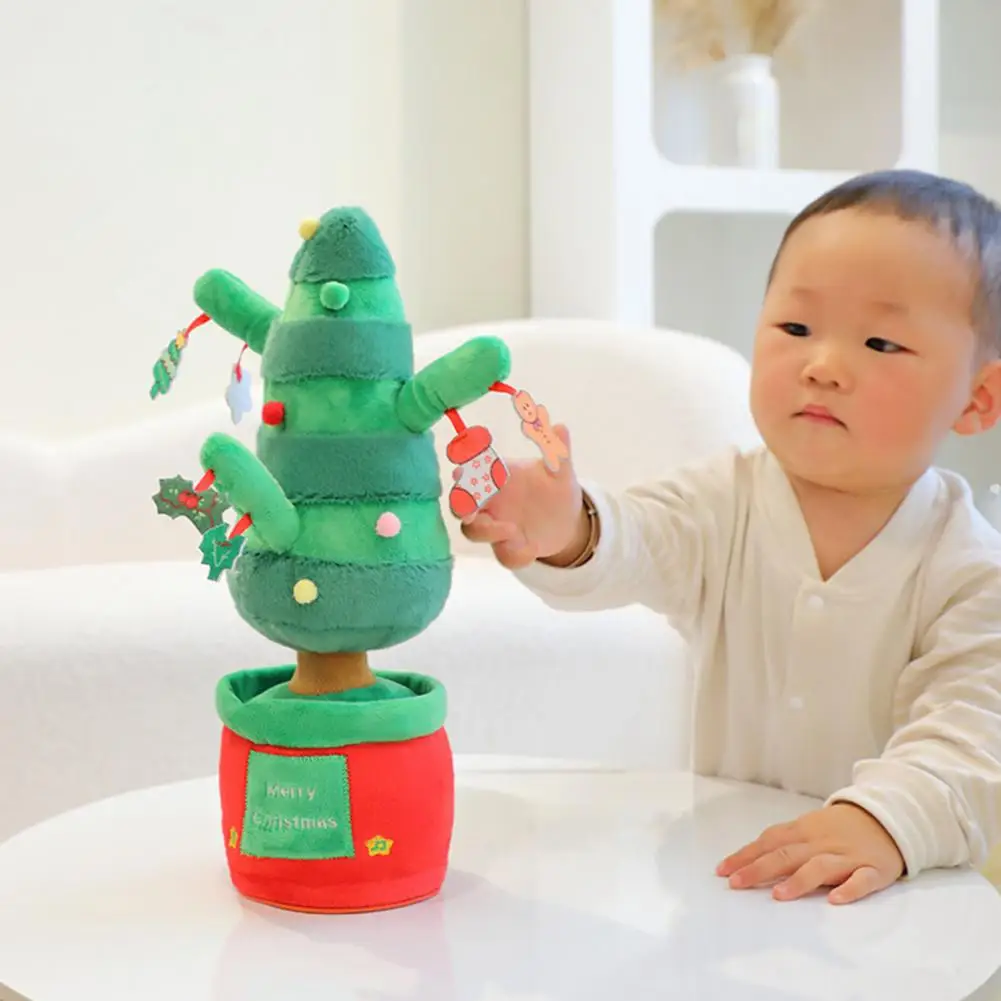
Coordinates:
<point>321,673</point>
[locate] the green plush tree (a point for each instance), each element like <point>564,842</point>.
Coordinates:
<point>346,550</point>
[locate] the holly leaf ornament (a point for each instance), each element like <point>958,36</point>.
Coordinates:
<point>177,499</point>
<point>218,552</point>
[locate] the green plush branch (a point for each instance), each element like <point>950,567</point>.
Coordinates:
<point>452,381</point>
<point>236,307</point>
<point>252,490</point>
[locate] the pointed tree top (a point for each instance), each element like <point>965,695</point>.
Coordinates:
<point>344,244</point>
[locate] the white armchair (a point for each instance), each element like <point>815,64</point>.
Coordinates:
<point>112,638</point>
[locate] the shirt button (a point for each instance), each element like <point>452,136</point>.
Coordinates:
<point>815,602</point>
<point>796,702</point>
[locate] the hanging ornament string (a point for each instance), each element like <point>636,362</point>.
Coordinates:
<point>239,358</point>
<point>455,418</point>
<point>165,368</point>
<point>198,321</point>
<point>457,422</point>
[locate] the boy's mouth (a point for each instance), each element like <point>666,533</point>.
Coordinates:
<point>819,415</point>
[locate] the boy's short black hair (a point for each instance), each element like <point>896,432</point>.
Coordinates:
<point>969,218</point>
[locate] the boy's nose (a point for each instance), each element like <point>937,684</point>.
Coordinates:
<point>823,369</point>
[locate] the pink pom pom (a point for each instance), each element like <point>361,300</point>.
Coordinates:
<point>388,525</point>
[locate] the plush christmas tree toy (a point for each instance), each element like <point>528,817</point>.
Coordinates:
<point>336,781</point>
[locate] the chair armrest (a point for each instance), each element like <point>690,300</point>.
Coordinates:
<point>121,695</point>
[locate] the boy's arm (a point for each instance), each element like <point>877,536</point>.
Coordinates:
<point>657,544</point>
<point>937,786</point>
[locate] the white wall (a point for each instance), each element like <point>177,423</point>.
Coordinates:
<point>144,142</point>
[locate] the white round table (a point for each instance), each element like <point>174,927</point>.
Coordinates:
<point>566,884</point>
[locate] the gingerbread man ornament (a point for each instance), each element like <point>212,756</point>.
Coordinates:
<point>536,426</point>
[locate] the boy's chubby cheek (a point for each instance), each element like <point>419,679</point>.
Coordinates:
<point>772,396</point>
<point>889,418</point>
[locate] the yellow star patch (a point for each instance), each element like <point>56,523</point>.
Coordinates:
<point>379,845</point>
<point>234,837</point>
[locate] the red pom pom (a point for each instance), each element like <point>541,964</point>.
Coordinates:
<point>273,413</point>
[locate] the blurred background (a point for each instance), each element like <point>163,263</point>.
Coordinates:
<point>618,159</point>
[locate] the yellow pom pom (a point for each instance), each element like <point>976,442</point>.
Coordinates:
<point>305,591</point>
<point>308,228</point>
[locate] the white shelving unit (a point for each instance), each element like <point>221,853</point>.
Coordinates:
<point>607,123</point>
<point>627,224</point>
<point>970,149</point>
<point>970,84</point>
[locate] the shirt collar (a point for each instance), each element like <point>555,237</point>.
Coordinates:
<point>894,552</point>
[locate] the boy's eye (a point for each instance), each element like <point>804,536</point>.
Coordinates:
<point>883,346</point>
<point>795,329</point>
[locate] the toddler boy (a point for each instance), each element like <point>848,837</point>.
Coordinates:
<point>841,596</point>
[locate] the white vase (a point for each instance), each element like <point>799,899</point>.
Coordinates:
<point>744,113</point>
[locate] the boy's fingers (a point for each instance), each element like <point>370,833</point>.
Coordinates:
<point>862,882</point>
<point>768,841</point>
<point>565,464</point>
<point>774,865</point>
<point>510,546</point>
<point>514,556</point>
<point>484,528</point>
<point>821,870</point>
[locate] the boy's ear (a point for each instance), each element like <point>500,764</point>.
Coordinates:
<point>984,408</point>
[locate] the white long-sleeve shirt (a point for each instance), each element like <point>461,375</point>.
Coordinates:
<point>880,686</point>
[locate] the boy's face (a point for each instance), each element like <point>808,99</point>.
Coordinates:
<point>865,354</point>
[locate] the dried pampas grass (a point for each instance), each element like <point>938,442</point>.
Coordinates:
<point>708,31</point>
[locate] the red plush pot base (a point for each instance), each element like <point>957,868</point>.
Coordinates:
<point>361,909</point>
<point>401,794</point>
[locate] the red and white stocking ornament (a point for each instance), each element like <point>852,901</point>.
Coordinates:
<point>479,471</point>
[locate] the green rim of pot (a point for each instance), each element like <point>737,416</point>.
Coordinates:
<point>309,723</point>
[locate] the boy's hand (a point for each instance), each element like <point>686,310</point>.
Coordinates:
<point>839,845</point>
<point>535,515</point>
